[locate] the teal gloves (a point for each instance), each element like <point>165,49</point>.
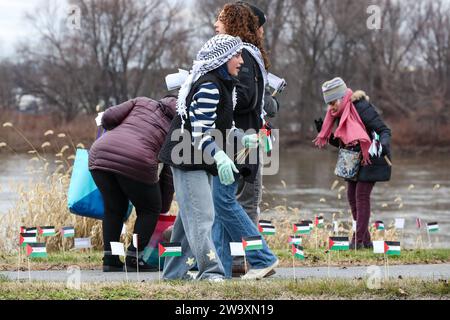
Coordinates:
<point>250,141</point>
<point>225,167</point>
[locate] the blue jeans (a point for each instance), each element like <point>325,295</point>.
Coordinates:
<point>193,227</point>
<point>231,224</point>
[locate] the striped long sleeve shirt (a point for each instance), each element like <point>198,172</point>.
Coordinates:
<point>202,114</point>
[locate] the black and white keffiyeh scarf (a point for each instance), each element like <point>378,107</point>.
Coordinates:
<point>214,53</point>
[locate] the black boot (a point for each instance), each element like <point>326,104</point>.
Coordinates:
<point>132,263</point>
<point>112,264</point>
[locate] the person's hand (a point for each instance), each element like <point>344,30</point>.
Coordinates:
<point>318,123</point>
<point>250,141</point>
<point>225,168</point>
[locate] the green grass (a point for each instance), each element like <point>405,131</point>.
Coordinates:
<point>314,257</point>
<point>232,290</point>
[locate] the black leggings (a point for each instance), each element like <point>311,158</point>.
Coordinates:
<point>116,191</point>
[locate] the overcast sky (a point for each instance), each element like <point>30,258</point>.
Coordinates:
<point>12,25</point>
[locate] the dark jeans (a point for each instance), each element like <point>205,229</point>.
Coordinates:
<point>358,194</point>
<point>116,191</point>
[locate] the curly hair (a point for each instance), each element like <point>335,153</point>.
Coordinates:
<point>239,21</point>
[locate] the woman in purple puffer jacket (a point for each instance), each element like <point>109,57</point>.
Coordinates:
<point>124,165</point>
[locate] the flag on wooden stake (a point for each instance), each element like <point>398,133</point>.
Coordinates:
<point>339,244</point>
<point>252,243</point>
<point>32,230</point>
<point>36,250</point>
<point>319,222</point>
<point>295,240</point>
<point>379,225</point>
<point>82,243</point>
<point>68,232</point>
<point>399,223</point>
<point>297,252</point>
<point>302,228</point>
<point>117,249</point>
<point>26,238</point>
<point>378,247</point>
<point>172,249</point>
<point>237,249</point>
<point>392,248</point>
<point>47,231</point>
<point>433,227</point>
<point>266,228</point>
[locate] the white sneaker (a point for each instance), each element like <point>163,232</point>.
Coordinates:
<point>256,274</point>
<point>220,280</point>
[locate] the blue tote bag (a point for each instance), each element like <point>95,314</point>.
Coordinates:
<point>84,198</point>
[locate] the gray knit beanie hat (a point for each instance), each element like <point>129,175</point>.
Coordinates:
<point>334,89</point>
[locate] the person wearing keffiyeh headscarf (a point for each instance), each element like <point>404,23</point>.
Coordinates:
<point>205,107</point>
<point>237,205</point>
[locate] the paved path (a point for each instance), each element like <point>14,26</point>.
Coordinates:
<point>438,271</point>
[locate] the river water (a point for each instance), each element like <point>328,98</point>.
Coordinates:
<point>304,181</point>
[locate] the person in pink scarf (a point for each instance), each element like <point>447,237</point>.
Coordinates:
<point>356,124</point>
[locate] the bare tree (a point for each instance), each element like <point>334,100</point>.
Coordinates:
<point>109,59</point>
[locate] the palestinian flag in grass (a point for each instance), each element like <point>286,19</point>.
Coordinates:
<point>36,250</point>
<point>433,227</point>
<point>297,252</point>
<point>379,225</point>
<point>32,230</point>
<point>26,238</point>
<point>302,228</point>
<point>252,243</point>
<point>311,224</point>
<point>392,248</point>
<point>172,249</point>
<point>47,231</point>
<point>68,232</point>
<point>318,222</point>
<point>266,228</point>
<point>339,243</point>
<point>295,240</point>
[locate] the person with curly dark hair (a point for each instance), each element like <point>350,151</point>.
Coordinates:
<point>237,205</point>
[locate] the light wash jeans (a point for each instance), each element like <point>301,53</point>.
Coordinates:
<point>193,227</point>
<point>231,224</point>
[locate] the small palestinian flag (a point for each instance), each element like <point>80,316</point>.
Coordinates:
<point>266,228</point>
<point>36,250</point>
<point>392,248</point>
<point>23,229</point>
<point>302,228</point>
<point>433,227</point>
<point>297,252</point>
<point>318,221</point>
<point>295,240</point>
<point>418,223</point>
<point>252,243</point>
<point>68,232</point>
<point>311,224</point>
<point>26,238</point>
<point>339,243</point>
<point>172,249</point>
<point>47,231</point>
<point>32,230</point>
<point>379,225</point>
